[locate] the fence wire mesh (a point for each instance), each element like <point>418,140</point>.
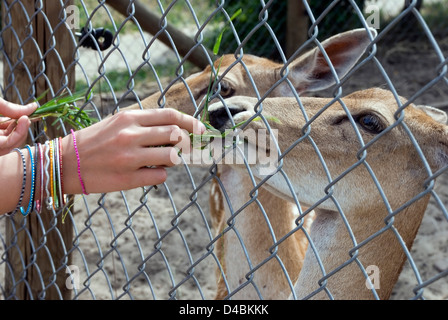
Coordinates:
<point>169,241</point>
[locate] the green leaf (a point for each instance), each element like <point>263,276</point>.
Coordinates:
<point>42,95</point>
<point>217,44</point>
<point>62,108</point>
<point>218,41</point>
<point>236,14</point>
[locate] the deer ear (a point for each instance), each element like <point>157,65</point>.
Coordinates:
<point>311,72</point>
<point>436,114</point>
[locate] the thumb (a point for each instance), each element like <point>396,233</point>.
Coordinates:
<point>15,111</point>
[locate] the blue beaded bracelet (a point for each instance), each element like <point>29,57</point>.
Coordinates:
<point>33,181</point>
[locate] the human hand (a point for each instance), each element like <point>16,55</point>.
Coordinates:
<point>14,124</point>
<point>128,150</point>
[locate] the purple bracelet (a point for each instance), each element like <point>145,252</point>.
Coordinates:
<point>79,163</point>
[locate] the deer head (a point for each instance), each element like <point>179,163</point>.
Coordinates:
<point>240,77</point>
<point>356,158</point>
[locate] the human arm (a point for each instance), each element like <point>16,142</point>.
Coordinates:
<point>115,154</point>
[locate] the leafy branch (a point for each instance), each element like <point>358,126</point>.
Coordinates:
<point>63,108</point>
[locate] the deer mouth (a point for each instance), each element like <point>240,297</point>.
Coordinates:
<point>232,121</point>
<point>220,118</point>
<point>239,109</point>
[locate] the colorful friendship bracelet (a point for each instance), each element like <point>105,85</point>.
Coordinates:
<point>46,176</point>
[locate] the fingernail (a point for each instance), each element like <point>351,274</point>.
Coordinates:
<point>202,127</point>
<point>31,105</point>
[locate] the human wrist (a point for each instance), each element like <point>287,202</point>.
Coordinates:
<point>43,174</point>
<point>69,170</point>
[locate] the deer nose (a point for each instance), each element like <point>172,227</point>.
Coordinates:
<point>220,119</point>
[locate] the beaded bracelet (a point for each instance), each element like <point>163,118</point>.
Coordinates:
<point>36,180</point>
<point>36,161</point>
<point>22,192</point>
<point>46,176</point>
<point>79,163</point>
<point>30,203</point>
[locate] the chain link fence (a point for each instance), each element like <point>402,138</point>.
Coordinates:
<point>167,242</point>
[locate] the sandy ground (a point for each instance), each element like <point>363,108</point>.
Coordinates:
<point>139,237</point>
<point>160,238</point>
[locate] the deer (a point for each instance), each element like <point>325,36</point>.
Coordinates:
<point>307,73</point>
<point>368,192</point>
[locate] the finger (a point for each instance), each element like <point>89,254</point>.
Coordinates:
<point>5,122</point>
<point>15,111</point>
<point>160,156</point>
<point>141,177</point>
<point>160,117</point>
<point>150,177</point>
<point>166,136</point>
<point>16,134</point>
<point>8,128</point>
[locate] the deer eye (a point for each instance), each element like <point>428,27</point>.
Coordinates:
<point>371,123</point>
<point>226,89</point>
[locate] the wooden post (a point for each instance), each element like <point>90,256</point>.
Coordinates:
<point>33,52</point>
<point>296,26</point>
